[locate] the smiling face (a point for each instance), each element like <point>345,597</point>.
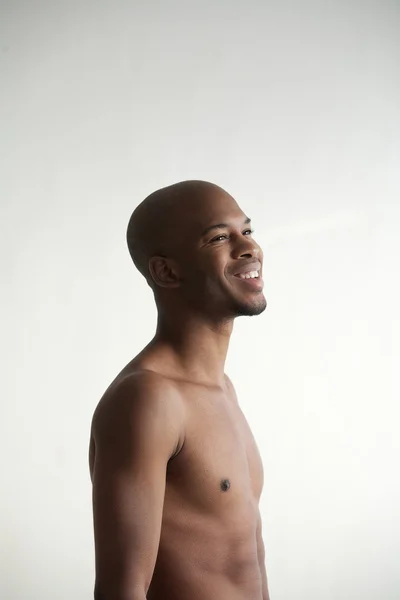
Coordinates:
<point>195,247</point>
<point>220,263</point>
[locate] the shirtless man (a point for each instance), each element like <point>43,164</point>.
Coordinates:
<point>176,473</point>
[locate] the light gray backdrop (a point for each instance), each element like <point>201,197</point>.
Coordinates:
<point>293,107</point>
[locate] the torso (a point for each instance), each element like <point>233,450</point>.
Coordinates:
<point>208,547</point>
<point>208,540</point>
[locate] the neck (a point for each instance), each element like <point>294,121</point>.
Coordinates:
<point>196,346</point>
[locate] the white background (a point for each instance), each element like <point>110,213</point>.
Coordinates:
<point>293,107</point>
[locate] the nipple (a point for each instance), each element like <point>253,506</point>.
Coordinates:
<point>225,485</point>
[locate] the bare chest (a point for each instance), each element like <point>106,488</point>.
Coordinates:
<point>219,465</point>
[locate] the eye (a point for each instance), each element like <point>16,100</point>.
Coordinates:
<point>248,231</point>
<point>219,238</point>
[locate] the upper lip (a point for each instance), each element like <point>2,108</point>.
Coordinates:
<point>248,267</point>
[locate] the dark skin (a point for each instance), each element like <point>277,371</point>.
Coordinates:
<point>176,473</point>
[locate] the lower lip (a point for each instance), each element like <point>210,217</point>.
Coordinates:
<point>256,283</point>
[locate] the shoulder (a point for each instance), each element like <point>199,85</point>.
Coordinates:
<point>135,399</point>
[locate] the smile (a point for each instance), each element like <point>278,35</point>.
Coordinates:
<point>251,280</point>
<point>248,275</point>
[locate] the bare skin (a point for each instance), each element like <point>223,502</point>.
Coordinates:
<point>176,472</point>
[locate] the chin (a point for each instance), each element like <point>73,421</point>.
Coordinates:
<point>250,309</point>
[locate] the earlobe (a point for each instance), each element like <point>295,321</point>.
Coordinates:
<point>163,271</point>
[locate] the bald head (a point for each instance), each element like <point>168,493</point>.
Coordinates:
<point>192,242</point>
<point>154,227</point>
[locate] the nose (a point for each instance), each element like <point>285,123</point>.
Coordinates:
<point>247,247</point>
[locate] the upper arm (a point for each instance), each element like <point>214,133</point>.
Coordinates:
<point>135,431</point>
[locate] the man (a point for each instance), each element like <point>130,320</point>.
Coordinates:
<point>176,473</point>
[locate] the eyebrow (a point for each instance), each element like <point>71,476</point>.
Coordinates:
<point>221,226</point>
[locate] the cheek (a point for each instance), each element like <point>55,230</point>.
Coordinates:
<point>193,277</point>
<point>202,281</point>
<point>216,262</point>
<point>206,271</point>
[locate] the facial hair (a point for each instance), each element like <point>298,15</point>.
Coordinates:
<point>243,309</point>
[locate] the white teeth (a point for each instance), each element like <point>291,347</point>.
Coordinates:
<point>249,275</point>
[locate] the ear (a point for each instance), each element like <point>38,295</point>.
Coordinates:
<point>164,271</point>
